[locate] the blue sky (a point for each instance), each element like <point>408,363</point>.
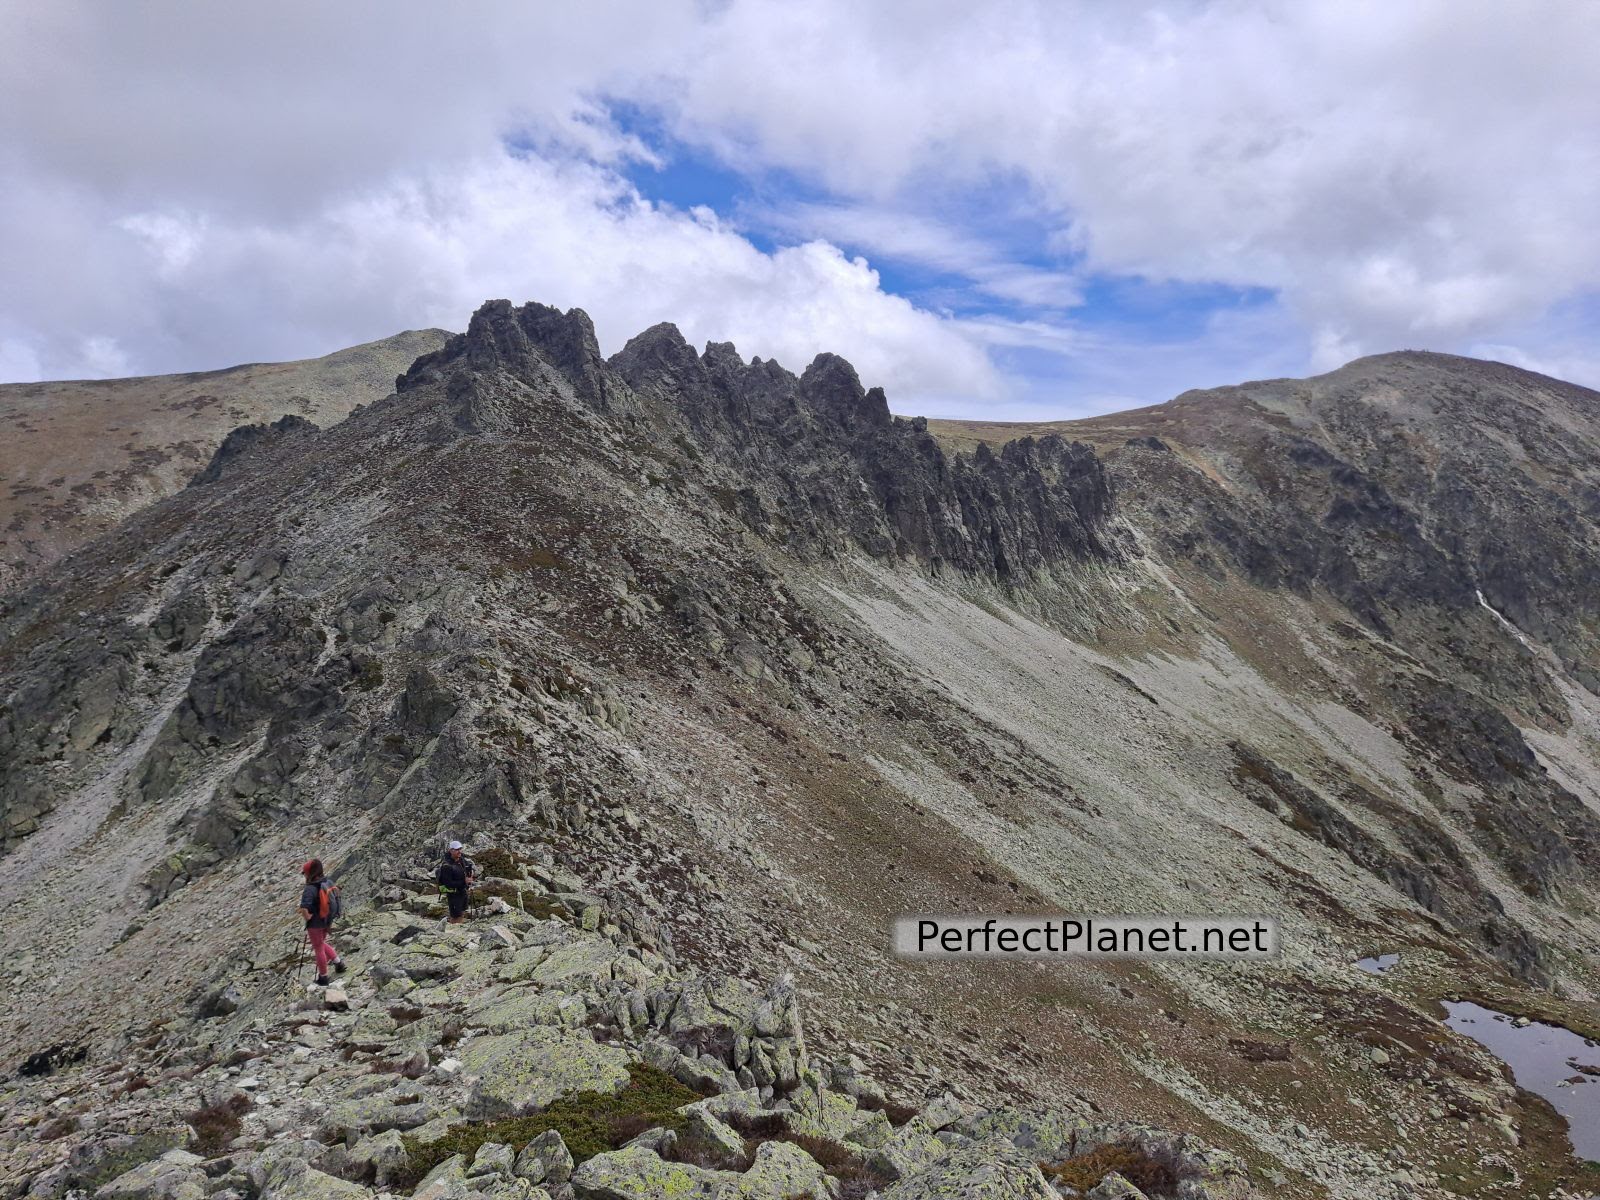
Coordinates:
<point>985,254</point>
<point>1030,209</point>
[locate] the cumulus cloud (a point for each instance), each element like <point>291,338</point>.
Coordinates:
<point>190,186</point>
<point>1403,174</point>
<point>209,186</point>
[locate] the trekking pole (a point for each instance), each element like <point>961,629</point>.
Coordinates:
<point>299,959</point>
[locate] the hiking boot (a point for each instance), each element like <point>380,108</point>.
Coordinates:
<point>338,966</point>
<point>322,981</point>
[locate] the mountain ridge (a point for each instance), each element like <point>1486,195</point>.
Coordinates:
<point>760,660</point>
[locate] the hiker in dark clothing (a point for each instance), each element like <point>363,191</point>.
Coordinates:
<point>316,903</point>
<point>456,874</point>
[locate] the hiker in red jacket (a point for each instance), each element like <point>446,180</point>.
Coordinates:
<point>317,905</point>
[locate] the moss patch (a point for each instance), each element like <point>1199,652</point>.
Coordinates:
<point>535,904</point>
<point>503,864</point>
<point>589,1123</point>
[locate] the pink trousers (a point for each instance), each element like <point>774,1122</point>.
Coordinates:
<point>323,948</point>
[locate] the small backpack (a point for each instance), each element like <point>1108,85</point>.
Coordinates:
<point>329,906</point>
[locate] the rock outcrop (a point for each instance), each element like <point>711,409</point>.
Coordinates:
<point>445,1047</point>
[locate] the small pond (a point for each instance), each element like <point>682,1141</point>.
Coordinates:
<point>1544,1060</point>
<point>1377,965</point>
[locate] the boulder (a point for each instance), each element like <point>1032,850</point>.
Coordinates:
<point>783,1171</point>
<point>831,1115</point>
<point>447,1181</point>
<point>310,1184</point>
<point>103,1158</point>
<point>848,1074</point>
<point>714,1132</point>
<point>589,961</point>
<point>492,1158</point>
<point>349,1120</point>
<point>911,1150</point>
<point>545,1160</point>
<point>635,1173</point>
<point>1115,1187</point>
<point>379,1158</point>
<point>943,1111</point>
<point>520,1073</point>
<point>518,1008</point>
<point>509,1189</point>
<point>1047,1136</point>
<point>176,1175</point>
<point>992,1170</point>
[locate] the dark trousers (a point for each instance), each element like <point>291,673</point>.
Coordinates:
<point>457,902</point>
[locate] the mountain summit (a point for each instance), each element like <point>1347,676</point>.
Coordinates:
<point>760,665</point>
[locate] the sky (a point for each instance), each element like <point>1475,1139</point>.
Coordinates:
<point>1007,210</point>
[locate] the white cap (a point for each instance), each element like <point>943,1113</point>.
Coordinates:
<point>455,845</point>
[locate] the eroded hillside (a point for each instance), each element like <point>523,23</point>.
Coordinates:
<point>78,456</point>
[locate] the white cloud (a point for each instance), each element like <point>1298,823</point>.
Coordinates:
<point>428,250</point>
<point>1404,174</point>
<point>189,186</point>
<point>908,236</point>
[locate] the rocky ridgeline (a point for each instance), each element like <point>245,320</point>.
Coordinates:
<point>815,461</point>
<point>540,1051</point>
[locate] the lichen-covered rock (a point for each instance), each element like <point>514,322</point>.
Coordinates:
<point>1115,1187</point>
<point>1047,1135</point>
<point>545,1160</point>
<point>992,1170</point>
<point>523,963</point>
<point>848,1074</point>
<point>509,1189</point>
<point>635,1173</point>
<point>379,1158</point>
<point>782,1171</point>
<point>912,1149</point>
<point>874,1130</point>
<point>519,1008</point>
<point>707,1128</point>
<point>176,1175</point>
<point>745,1104</point>
<point>103,1158</point>
<point>589,961</point>
<point>520,1073</point>
<point>826,1114</point>
<point>311,1184</point>
<point>492,1158</point>
<point>440,1126</point>
<point>348,1120</point>
<point>447,1181</point>
<point>943,1111</point>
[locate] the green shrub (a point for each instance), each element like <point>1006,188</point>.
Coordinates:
<point>535,904</point>
<point>589,1123</point>
<point>503,864</point>
<point>368,674</point>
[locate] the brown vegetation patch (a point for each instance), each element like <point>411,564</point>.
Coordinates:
<point>1085,1171</point>
<point>216,1125</point>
